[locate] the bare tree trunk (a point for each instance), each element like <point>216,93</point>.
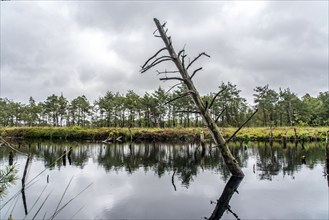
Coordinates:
<point>230,161</point>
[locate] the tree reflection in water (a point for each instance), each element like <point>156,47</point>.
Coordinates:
<point>187,160</point>
<point>222,203</point>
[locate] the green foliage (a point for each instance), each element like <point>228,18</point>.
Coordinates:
<point>8,176</point>
<point>76,127</point>
<point>266,100</point>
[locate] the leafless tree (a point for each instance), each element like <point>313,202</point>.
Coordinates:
<point>184,78</point>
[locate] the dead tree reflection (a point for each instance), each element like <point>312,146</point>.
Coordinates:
<point>173,180</point>
<point>327,157</point>
<point>64,158</point>
<point>23,182</point>
<point>69,156</point>
<point>11,158</point>
<point>224,200</point>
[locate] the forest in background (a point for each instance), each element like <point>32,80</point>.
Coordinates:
<point>161,109</point>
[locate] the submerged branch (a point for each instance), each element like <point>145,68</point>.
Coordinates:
<point>61,208</point>
<point>11,147</point>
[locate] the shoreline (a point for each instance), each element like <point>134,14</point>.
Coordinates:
<point>163,134</point>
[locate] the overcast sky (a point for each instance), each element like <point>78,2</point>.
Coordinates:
<point>90,47</point>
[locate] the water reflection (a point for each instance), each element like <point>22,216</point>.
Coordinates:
<point>182,159</point>
<point>160,173</point>
<point>222,203</point>
<point>27,164</point>
<point>11,158</point>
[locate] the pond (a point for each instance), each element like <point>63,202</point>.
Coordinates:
<point>166,181</point>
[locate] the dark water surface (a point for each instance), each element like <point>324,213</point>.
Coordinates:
<point>167,181</point>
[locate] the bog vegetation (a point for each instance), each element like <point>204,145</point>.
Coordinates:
<point>275,108</point>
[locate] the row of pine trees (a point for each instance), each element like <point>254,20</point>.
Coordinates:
<point>156,109</point>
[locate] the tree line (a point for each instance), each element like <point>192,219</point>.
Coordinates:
<point>164,109</point>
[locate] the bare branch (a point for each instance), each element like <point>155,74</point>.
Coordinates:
<point>160,60</point>
<point>195,71</point>
<point>10,146</point>
<point>195,59</point>
<point>155,62</point>
<point>187,111</point>
<point>179,97</point>
<point>217,94</point>
<point>171,78</point>
<point>220,114</point>
<point>183,60</point>
<point>152,57</point>
<point>241,126</point>
<point>166,71</point>
<point>164,24</point>
<point>173,87</point>
<point>180,52</point>
<point>169,40</point>
<point>206,106</point>
<point>155,31</point>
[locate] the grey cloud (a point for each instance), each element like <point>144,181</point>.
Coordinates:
<point>91,47</point>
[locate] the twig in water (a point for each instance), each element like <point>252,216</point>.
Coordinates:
<point>44,188</point>
<point>60,209</point>
<point>63,194</point>
<point>41,206</point>
<point>9,145</point>
<point>77,211</point>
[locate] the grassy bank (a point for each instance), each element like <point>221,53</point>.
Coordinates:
<point>159,134</point>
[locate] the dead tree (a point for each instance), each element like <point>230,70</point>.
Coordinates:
<point>185,79</point>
